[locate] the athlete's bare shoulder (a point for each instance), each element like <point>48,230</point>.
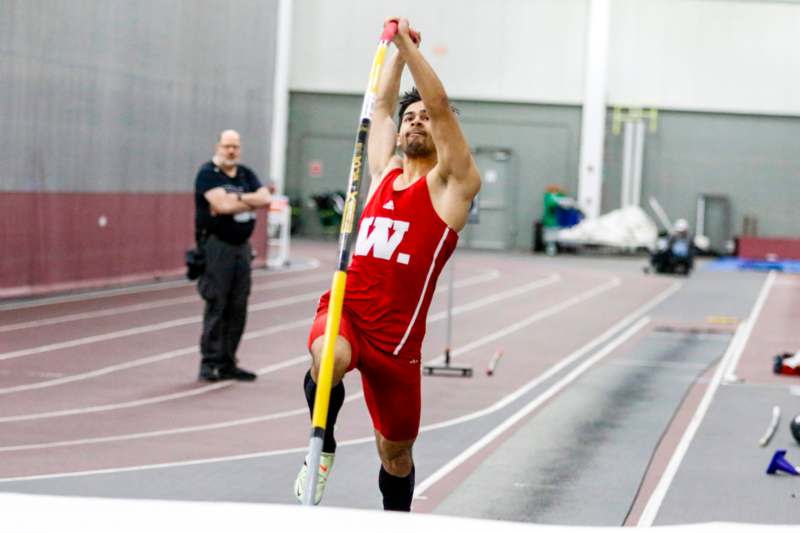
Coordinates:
<point>452,198</point>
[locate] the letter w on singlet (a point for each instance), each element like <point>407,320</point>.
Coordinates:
<point>378,240</point>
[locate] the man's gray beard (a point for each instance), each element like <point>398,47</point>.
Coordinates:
<point>222,162</point>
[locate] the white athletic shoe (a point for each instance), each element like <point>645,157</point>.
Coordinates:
<point>325,466</point>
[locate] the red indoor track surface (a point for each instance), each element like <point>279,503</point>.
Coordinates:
<point>108,381</point>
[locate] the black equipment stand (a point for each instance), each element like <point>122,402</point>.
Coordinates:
<point>447,368</point>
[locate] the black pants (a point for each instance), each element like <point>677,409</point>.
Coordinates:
<point>225,287</point>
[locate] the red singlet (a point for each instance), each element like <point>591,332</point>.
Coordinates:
<point>400,251</point>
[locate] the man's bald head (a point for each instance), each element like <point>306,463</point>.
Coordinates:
<point>228,149</point>
<point>229,135</point>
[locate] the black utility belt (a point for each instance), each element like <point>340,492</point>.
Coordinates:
<point>220,239</point>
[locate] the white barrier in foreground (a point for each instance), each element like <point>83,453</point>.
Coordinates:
<point>23,513</point>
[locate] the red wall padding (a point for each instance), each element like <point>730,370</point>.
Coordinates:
<point>764,248</point>
<point>53,241</point>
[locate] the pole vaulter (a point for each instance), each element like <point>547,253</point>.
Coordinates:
<point>322,398</point>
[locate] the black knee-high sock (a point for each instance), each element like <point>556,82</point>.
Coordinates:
<point>337,399</point>
<point>397,491</point>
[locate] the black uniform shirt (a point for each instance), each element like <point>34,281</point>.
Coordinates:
<point>233,229</point>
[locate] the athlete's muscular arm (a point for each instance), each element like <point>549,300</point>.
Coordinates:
<point>455,165</point>
<point>382,141</point>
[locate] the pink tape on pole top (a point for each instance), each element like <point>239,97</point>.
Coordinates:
<point>388,31</point>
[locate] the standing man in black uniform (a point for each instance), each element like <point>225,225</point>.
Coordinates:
<point>226,196</point>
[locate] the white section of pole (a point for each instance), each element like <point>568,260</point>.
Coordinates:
<point>590,172</point>
<point>280,95</point>
<point>312,461</point>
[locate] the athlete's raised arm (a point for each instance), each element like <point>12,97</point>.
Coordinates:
<point>382,140</point>
<point>455,165</point>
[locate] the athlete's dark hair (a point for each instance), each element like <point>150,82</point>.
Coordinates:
<point>411,97</point>
<point>406,99</point>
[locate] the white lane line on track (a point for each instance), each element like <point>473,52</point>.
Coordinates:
<point>568,361</point>
<point>484,340</point>
<point>194,319</point>
<point>281,327</point>
<point>466,282</point>
<point>529,408</point>
<point>154,399</point>
<point>311,264</point>
<point>189,429</point>
<point>489,275</point>
<point>492,274</point>
<point>113,311</point>
<point>549,280</point>
<point>769,282</point>
<point>731,356</point>
<point>577,355</point>
<point>537,316</point>
<point>190,350</point>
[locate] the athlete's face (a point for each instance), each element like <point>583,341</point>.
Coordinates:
<point>414,138</point>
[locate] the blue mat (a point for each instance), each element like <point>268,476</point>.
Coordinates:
<point>731,264</point>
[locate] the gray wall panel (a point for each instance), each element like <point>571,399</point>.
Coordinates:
<point>543,140</point>
<point>129,96</point>
<point>313,119</point>
<point>754,160</point>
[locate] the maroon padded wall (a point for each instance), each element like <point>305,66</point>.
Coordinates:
<point>58,241</point>
<point>769,248</point>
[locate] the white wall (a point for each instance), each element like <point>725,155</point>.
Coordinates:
<point>708,55</point>
<point>516,50</point>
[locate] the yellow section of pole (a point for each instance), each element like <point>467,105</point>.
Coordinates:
<point>375,71</point>
<point>325,378</point>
